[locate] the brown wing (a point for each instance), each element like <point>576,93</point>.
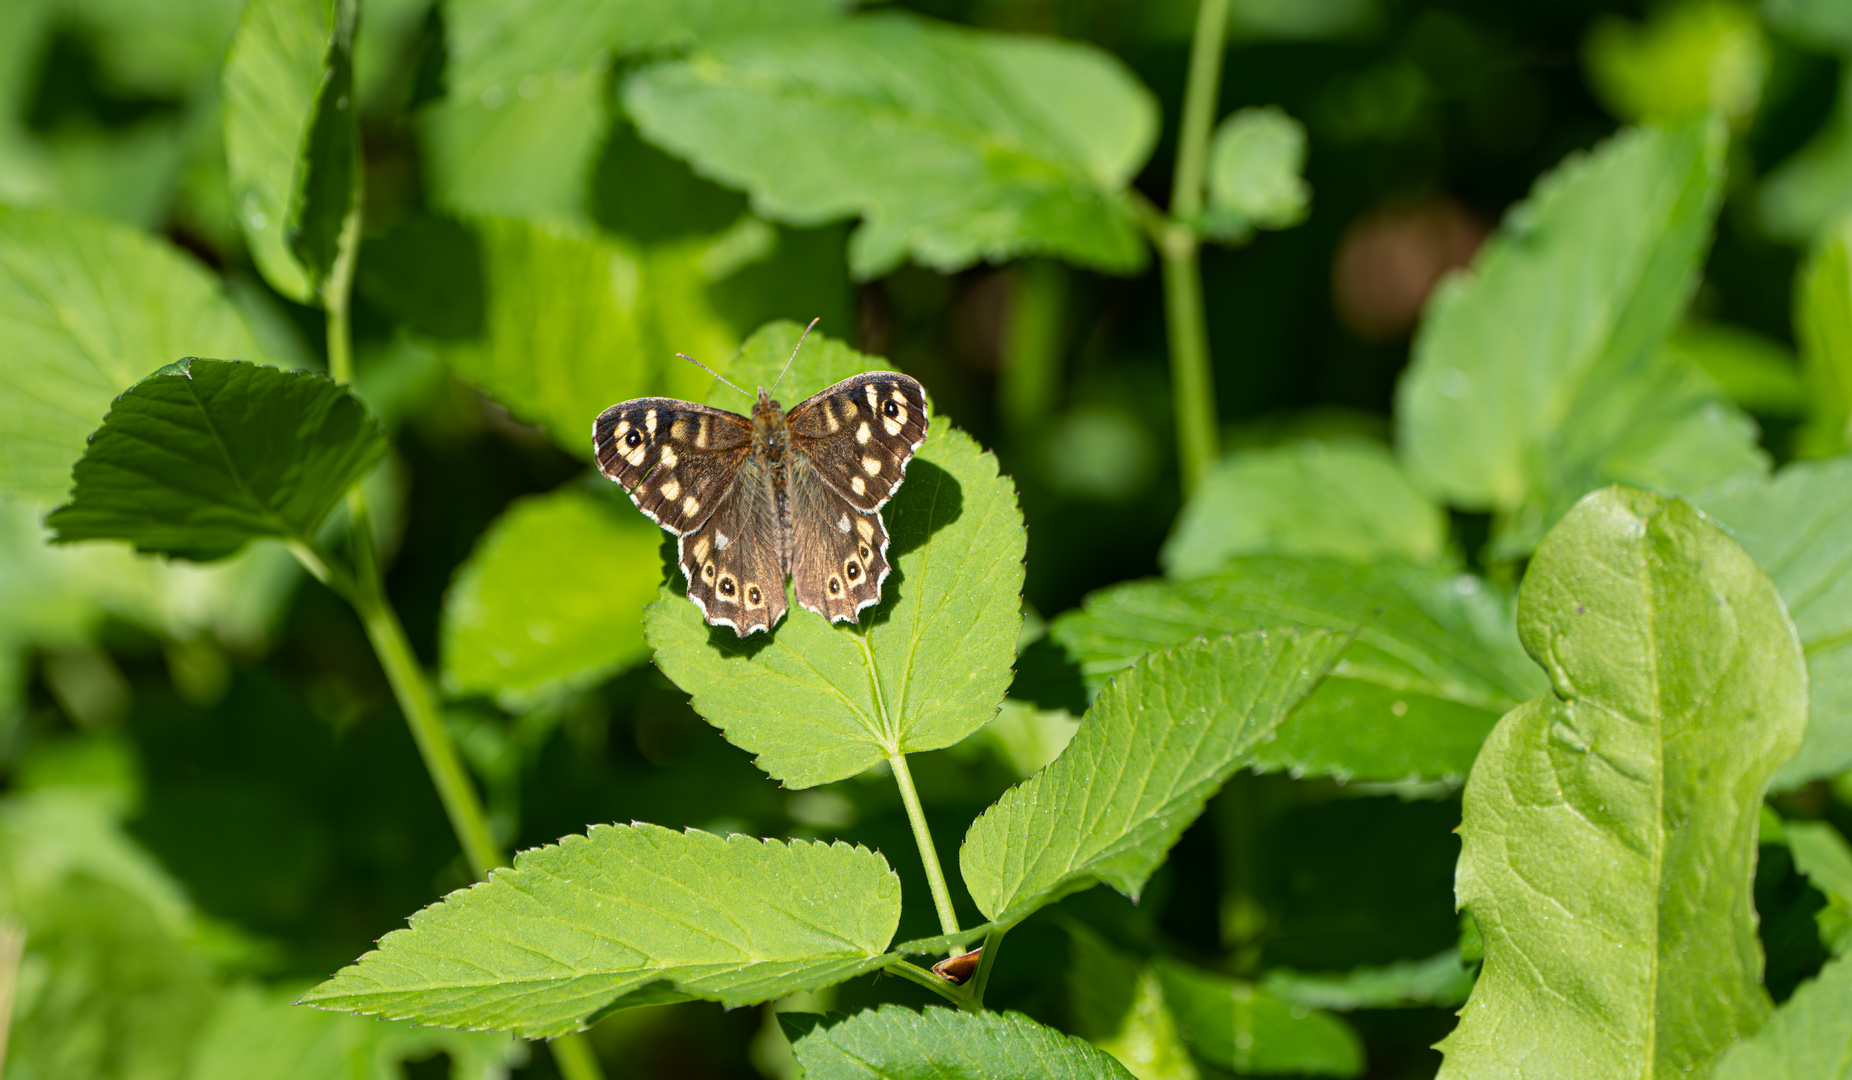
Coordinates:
<point>733,561</point>
<point>675,458</point>
<point>861,433</point>
<point>838,553</point>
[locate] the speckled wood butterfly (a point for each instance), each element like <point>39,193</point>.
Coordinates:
<point>754,501</point>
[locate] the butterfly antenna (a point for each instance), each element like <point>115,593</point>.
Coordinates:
<point>799,345</point>
<point>710,371</point>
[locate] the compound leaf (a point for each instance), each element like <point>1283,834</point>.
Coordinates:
<point>940,1044</point>
<point>577,927</point>
<point>1158,741</point>
<point>1609,826</point>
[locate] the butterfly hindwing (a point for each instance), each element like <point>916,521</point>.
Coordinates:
<point>860,434</point>
<point>676,459</point>
<point>838,553</point>
<point>734,560</point>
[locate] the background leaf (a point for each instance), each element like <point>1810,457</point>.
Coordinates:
<point>1823,323</point>
<point>529,154</point>
<point>577,926</point>
<point>1235,1025</point>
<point>1345,499</point>
<point>86,309</point>
<point>952,145</point>
<point>205,455</point>
<point>939,1043</point>
<point>1442,979</point>
<point>1610,827</point>
<point>1807,1038</point>
<point>1826,859</point>
<point>552,596</point>
<point>1255,164</point>
<point>1118,1005</point>
<point>1110,807</point>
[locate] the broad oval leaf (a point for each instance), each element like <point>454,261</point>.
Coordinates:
<point>629,911</point>
<point>1343,499</point>
<point>552,597</point>
<point>940,1044</point>
<point>1158,741</point>
<point>953,145</point>
<point>1538,376</point>
<point>926,667</point>
<point>1797,526</point>
<point>87,308</point>
<point>1435,663</point>
<point>1808,1038</point>
<point>291,142</point>
<point>1609,826</point>
<point>205,455</point>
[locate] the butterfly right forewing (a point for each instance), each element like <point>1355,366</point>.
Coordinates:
<point>674,458</point>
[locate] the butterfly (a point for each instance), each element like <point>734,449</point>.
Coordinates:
<point>780,494</point>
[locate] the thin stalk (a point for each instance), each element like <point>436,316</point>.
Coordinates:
<point>929,855</point>
<point>575,1058</point>
<point>992,942</point>
<point>1192,382</point>
<point>12,947</point>
<point>915,973</point>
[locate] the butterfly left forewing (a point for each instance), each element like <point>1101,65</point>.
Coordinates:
<point>676,459</point>
<point>733,560</point>
<point>838,552</point>
<point>860,434</point>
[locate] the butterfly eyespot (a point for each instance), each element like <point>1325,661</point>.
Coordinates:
<point>835,586</point>
<point>708,571</point>
<point>865,553</point>
<point>854,570</point>
<point>727,588</point>
<point>634,439</point>
<point>752,596</point>
<point>890,410</point>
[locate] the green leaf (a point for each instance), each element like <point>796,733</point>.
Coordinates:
<point>1609,826</point>
<point>1256,162</point>
<point>951,144</point>
<point>258,1032</point>
<point>1826,24</point>
<point>577,321</point>
<point>575,927</point>
<point>1539,376</point>
<point>1757,373</point>
<point>551,597</point>
<point>1436,660</point>
<point>1238,1026</point>
<point>1825,857</point>
<point>940,1044</point>
<point>205,455</point>
<point>928,666</point>
<point>1798,528</point>
<point>1811,191</point>
<point>497,51</point>
<point>1683,62</point>
<point>1158,741</point>
<point>1442,979</point>
<point>1807,1038</point>
<point>1346,499</point>
<point>86,309</point>
<point>530,155</point>
<point>1118,1005</point>
<point>291,142</point>
<point>1823,322</point>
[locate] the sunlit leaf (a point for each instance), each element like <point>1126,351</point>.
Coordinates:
<point>1683,61</point>
<point>1610,826</point>
<point>526,155</point>
<point>1158,741</point>
<point>1807,1038</point>
<point>578,926</point>
<point>1256,166</point>
<point>1823,322</point>
<point>953,146</point>
<point>1238,1026</point>
<point>940,1044</point>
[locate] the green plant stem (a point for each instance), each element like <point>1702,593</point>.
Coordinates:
<point>915,973</point>
<point>576,1059</point>
<point>992,942</point>
<point>1192,381</point>
<point>929,855</point>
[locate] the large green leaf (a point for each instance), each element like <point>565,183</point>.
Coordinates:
<point>1823,322</point>
<point>86,309</point>
<point>952,145</point>
<point>939,1044</point>
<point>1538,376</point>
<point>1610,826</point>
<point>291,142</point>
<point>629,911</point>
<point>1808,1038</point>
<point>205,455</point>
<point>928,666</point>
<point>552,596</point>
<point>1344,499</point>
<point>1238,1026</point>
<point>1158,741</point>
<point>1436,660</point>
<point>1798,528</point>
<point>531,155</point>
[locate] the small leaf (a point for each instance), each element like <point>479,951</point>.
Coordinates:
<point>205,455</point>
<point>1807,1038</point>
<point>291,141</point>
<point>577,926</point>
<point>1684,61</point>
<point>1609,826</point>
<point>1825,857</point>
<point>928,666</point>
<point>1823,322</point>
<point>952,145</point>
<point>1798,528</point>
<point>1118,1005</point>
<point>1346,499</point>
<point>1158,741</point>
<point>1436,660</point>
<point>940,1044</point>
<point>86,309</point>
<point>1238,1026</point>
<point>1539,375</point>
<point>552,596</point>
<point>1442,979</point>
<point>1256,162</point>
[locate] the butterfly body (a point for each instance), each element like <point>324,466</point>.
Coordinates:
<point>756,500</point>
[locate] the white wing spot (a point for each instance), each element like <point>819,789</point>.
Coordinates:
<point>721,540</point>
<point>671,489</point>
<point>668,459</point>
<point>649,422</point>
<point>635,457</point>
<point>862,434</point>
<point>866,528</point>
<point>829,417</point>
<point>857,485</point>
<point>701,434</point>
<point>892,427</point>
<point>844,523</point>
<point>871,466</point>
